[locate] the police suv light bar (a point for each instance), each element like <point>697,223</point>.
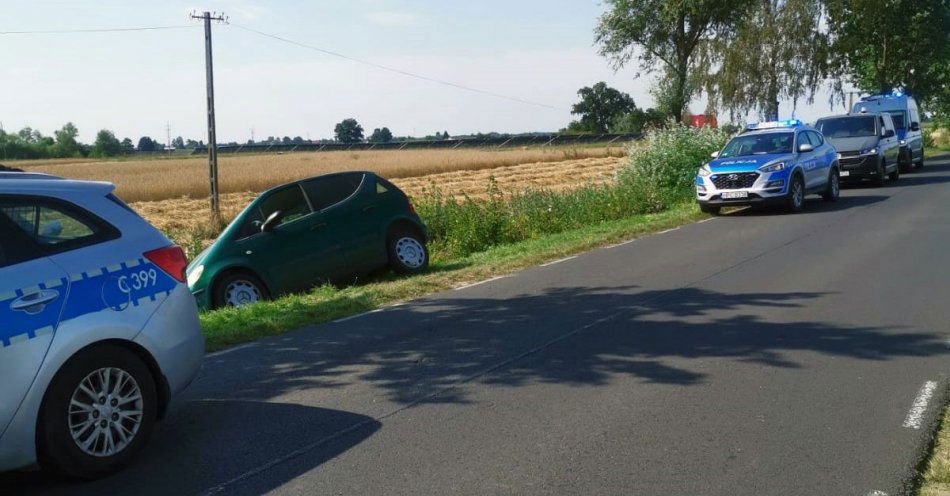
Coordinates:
<point>774,124</point>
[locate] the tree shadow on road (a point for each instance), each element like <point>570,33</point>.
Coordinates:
<point>418,353</point>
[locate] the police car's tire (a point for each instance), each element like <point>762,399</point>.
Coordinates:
<point>74,428</point>
<point>709,209</point>
<point>238,289</point>
<point>881,176</point>
<point>795,201</point>
<point>407,252</point>
<point>920,163</point>
<point>834,187</point>
<point>896,175</point>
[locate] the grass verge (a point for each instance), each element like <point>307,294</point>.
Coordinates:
<point>228,327</point>
<point>935,472</point>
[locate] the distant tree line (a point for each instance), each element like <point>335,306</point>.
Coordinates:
<point>29,143</point>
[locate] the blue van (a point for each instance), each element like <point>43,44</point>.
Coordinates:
<point>903,110</point>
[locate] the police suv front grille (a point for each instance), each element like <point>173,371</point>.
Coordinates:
<point>739,180</point>
<point>854,153</point>
<point>852,161</point>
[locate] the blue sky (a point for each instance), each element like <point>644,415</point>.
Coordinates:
<point>135,82</point>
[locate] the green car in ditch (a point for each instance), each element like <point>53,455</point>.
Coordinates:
<point>308,232</point>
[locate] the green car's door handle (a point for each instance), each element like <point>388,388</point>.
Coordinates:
<point>319,226</point>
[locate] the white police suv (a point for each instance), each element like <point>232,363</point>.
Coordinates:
<point>97,327</point>
<point>775,163</point>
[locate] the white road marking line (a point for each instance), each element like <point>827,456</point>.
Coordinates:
<point>668,230</point>
<point>229,350</point>
<point>351,317</point>
<point>466,286</point>
<point>706,220</point>
<point>915,416</point>
<point>877,493</point>
<point>558,261</point>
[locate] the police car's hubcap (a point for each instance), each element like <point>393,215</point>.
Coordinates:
<point>410,252</point>
<point>105,412</point>
<point>240,293</point>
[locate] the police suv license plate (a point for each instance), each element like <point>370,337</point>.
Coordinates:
<point>844,174</point>
<point>732,195</point>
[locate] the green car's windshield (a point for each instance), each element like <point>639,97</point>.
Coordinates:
<point>847,127</point>
<point>758,144</point>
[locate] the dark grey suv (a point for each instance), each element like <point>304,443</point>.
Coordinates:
<point>867,145</point>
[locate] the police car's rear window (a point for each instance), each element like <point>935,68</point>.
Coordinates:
<point>53,225</point>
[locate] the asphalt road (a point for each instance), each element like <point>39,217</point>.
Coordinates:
<point>750,354</point>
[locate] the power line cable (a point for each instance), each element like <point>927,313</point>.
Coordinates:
<point>99,30</point>
<point>393,69</point>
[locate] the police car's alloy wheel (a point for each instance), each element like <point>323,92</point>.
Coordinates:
<point>796,195</point>
<point>98,412</point>
<point>834,187</point>
<point>407,252</point>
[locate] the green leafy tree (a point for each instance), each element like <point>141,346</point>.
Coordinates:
<point>127,146</point>
<point>669,37</point>
<point>106,144</point>
<point>349,131</point>
<point>66,144</point>
<point>637,121</point>
<point>147,144</point>
<point>178,142</point>
<point>879,45</point>
<point>381,135</point>
<point>778,52</point>
<point>599,106</point>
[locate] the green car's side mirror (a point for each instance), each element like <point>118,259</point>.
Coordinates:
<point>273,220</point>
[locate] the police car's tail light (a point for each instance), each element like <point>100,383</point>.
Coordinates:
<point>170,259</point>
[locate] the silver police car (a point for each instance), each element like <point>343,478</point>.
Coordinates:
<point>97,327</point>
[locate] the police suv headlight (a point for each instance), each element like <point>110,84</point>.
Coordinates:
<point>776,167</point>
<point>705,170</point>
<point>194,275</point>
<point>869,151</point>
<point>903,142</point>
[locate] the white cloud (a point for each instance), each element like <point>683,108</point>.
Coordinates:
<point>391,19</point>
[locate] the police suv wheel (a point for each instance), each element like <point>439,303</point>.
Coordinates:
<point>407,252</point>
<point>795,201</point>
<point>834,187</point>
<point>920,163</point>
<point>97,414</point>
<point>881,175</point>
<point>896,175</point>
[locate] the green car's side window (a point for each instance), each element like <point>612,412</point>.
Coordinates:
<point>290,201</point>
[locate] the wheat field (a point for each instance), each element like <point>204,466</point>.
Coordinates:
<point>161,179</point>
<point>187,214</point>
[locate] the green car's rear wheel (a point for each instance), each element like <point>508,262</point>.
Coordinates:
<point>407,252</point>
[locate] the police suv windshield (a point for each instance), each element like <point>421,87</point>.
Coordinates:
<point>847,127</point>
<point>758,144</point>
<point>898,118</point>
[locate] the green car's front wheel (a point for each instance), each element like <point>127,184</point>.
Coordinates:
<point>407,252</point>
<point>238,289</point>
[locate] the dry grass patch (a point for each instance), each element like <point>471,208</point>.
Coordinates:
<point>160,179</point>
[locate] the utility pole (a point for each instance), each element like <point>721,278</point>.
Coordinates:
<point>212,138</point>
<point>168,137</point>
